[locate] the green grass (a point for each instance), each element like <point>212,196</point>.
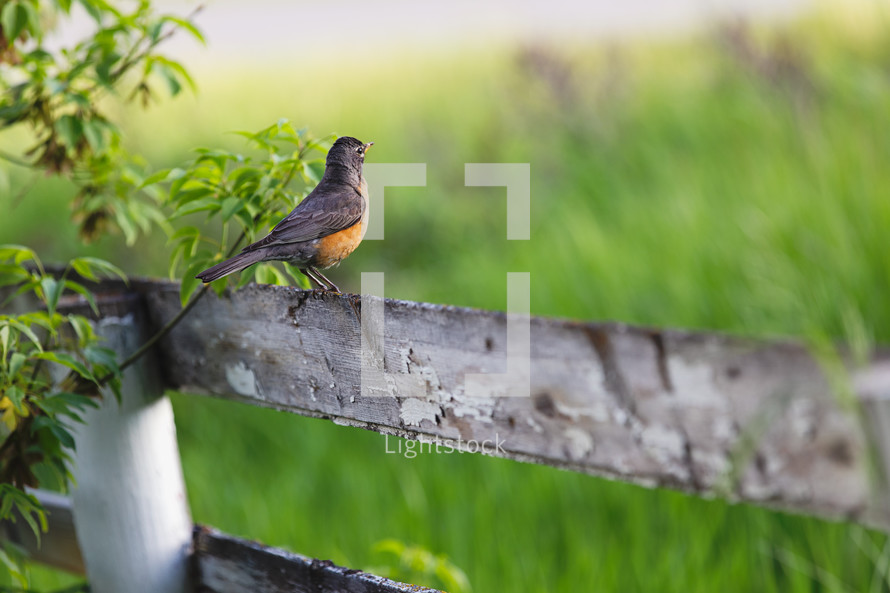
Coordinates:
<point>673,184</point>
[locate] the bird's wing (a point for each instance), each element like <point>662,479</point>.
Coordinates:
<point>319,215</point>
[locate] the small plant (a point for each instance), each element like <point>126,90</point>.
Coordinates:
<point>416,564</point>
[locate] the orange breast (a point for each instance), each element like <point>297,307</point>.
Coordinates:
<point>333,248</point>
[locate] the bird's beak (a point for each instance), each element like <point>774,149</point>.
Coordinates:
<point>368,145</point>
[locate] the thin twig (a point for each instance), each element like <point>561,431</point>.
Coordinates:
<point>133,57</point>
<point>168,327</point>
<point>161,333</point>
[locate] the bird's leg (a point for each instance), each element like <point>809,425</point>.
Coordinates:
<point>320,279</point>
<point>313,279</point>
<point>326,285</point>
<point>324,280</point>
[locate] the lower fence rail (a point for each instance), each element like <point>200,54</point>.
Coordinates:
<point>220,563</point>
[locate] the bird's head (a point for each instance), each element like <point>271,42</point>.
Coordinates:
<point>346,156</point>
<point>348,149</point>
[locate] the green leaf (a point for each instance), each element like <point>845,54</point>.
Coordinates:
<point>27,506</point>
<point>69,129</point>
<point>42,319</point>
<point>13,112</point>
<point>187,25</point>
<point>82,291</point>
<point>177,185</point>
<point>243,175</point>
<point>189,283</point>
<point>24,329</point>
<point>66,404</point>
<point>4,340</point>
<point>14,19</point>
<point>94,135</point>
<point>162,176</point>
<point>230,206</point>
<point>40,55</point>
<point>52,290</point>
<point>17,397</point>
<point>211,204</point>
<point>154,31</point>
<point>15,569</point>
<point>300,279</point>
<point>83,328</point>
<point>186,231</point>
<point>84,269</point>
<point>169,76</point>
<point>194,192</point>
<point>127,226</point>
<point>268,274</point>
<point>65,359</point>
<point>60,432</point>
<point>74,400</point>
<point>16,362</point>
<point>103,68</point>
<point>88,266</point>
<point>173,72</point>
<point>104,357</point>
<point>7,502</point>
<point>18,254</point>
<point>13,274</point>
<point>32,19</point>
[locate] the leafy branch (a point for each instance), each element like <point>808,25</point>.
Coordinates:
<point>39,398</point>
<point>249,194</point>
<point>55,95</point>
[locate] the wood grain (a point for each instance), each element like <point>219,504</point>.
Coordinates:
<point>709,414</point>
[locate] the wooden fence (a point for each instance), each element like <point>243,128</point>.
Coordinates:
<point>757,421</point>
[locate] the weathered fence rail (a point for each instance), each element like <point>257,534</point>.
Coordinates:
<point>753,420</point>
<point>750,420</point>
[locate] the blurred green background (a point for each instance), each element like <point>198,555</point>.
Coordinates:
<point>733,178</point>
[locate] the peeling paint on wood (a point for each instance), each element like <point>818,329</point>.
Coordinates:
<point>242,380</point>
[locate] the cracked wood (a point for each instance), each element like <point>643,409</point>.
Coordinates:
<point>705,413</point>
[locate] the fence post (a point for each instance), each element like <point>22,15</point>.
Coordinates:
<point>130,508</point>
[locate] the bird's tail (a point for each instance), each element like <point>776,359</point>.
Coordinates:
<point>230,266</point>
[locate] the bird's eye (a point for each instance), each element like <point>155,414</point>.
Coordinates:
<point>360,149</point>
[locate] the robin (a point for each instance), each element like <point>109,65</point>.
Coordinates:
<point>323,229</point>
